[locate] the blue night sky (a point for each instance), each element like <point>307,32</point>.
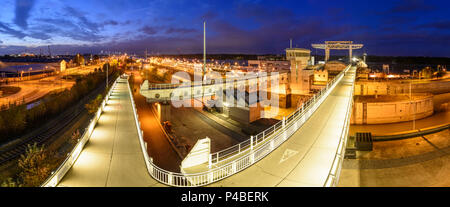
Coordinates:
<point>401,27</point>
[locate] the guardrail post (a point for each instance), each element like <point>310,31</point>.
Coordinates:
<point>271,145</point>
<point>150,160</point>
<point>251,143</point>
<point>210,177</point>
<point>210,161</point>
<point>170,178</point>
<point>284,121</point>
<point>233,167</point>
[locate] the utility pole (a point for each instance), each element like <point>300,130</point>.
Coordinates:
<point>204,49</point>
<point>107,68</point>
<point>49,53</point>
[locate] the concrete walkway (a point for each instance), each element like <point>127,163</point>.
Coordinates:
<point>304,159</point>
<point>415,162</point>
<point>113,156</point>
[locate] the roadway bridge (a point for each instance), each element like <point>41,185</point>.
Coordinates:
<point>113,156</point>
<point>191,90</point>
<point>313,154</point>
<point>314,140</point>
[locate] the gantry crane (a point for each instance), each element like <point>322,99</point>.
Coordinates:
<point>337,45</point>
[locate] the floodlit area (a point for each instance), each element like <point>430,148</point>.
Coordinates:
<point>306,158</point>
<point>113,155</point>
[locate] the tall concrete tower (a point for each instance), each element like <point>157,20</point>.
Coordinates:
<point>299,59</point>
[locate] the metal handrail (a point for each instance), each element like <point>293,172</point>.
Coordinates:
<point>250,153</point>
<point>159,86</point>
<point>333,174</point>
<point>300,111</point>
<point>72,157</point>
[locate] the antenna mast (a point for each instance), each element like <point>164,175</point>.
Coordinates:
<point>49,53</point>
<point>204,48</point>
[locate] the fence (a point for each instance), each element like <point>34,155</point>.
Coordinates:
<point>59,173</point>
<point>238,157</point>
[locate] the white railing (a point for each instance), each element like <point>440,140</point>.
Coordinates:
<point>59,173</point>
<point>244,154</point>
<point>303,112</point>
<point>160,86</point>
<point>333,175</point>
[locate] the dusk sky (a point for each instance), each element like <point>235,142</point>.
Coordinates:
<point>385,27</point>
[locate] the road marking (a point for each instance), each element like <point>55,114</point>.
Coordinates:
<point>288,153</point>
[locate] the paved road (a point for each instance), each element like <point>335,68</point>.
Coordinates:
<point>415,162</point>
<point>113,156</point>
<point>159,148</point>
<point>35,89</point>
<point>305,159</point>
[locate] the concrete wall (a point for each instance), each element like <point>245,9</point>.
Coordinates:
<point>239,114</point>
<point>391,112</point>
<point>399,87</point>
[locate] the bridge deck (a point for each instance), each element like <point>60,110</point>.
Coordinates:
<point>113,156</point>
<point>306,158</point>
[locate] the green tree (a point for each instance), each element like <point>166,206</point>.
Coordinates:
<point>93,106</point>
<point>10,183</point>
<point>33,165</point>
<point>78,60</point>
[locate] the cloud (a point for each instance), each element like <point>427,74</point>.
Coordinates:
<point>210,15</point>
<point>22,12</point>
<point>4,28</point>
<point>440,25</point>
<point>173,30</point>
<point>74,24</point>
<point>63,28</point>
<point>262,13</point>
<point>406,6</point>
<point>82,20</point>
<point>149,30</point>
<point>110,22</point>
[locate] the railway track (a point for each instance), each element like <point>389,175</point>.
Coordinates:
<point>44,133</point>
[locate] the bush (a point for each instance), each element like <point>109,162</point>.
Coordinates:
<point>93,106</point>
<point>33,166</point>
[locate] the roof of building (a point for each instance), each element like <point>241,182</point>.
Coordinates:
<point>33,67</point>
<point>299,49</point>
